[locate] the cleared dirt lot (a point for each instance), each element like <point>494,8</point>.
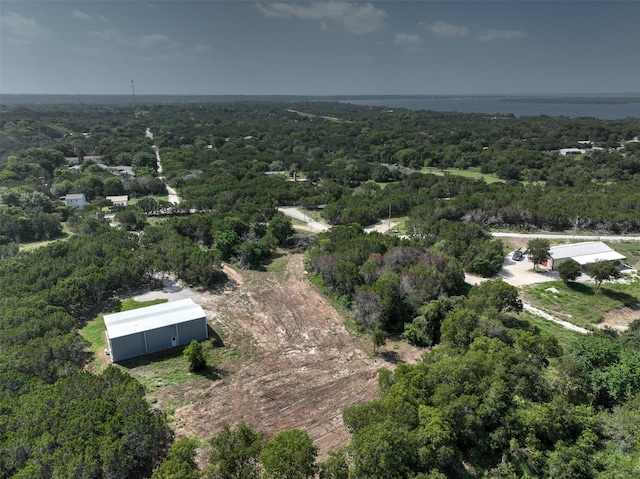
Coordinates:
<point>306,367</point>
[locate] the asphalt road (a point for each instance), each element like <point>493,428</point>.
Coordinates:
<point>564,236</point>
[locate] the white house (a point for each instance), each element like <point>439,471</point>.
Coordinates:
<point>77,200</point>
<point>122,201</point>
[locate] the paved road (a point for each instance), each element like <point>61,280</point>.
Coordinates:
<point>298,214</point>
<point>563,236</point>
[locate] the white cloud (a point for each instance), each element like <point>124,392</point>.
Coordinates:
<point>497,35</point>
<point>411,42</point>
<point>21,30</point>
<point>445,30</point>
<point>143,41</point>
<point>349,17</point>
<point>95,53</point>
<point>75,13</point>
<point>406,39</point>
<point>200,48</point>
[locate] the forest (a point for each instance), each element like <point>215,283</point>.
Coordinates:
<point>492,397</point>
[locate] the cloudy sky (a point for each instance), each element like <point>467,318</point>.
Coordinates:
<point>319,48</point>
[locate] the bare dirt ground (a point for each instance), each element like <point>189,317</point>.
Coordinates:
<point>619,319</point>
<point>306,368</point>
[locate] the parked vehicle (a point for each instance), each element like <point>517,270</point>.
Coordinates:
<point>517,255</point>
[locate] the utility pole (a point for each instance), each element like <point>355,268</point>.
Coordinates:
<point>133,91</point>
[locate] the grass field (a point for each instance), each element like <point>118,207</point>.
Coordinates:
<point>577,302</point>
<point>631,250</point>
<point>466,173</point>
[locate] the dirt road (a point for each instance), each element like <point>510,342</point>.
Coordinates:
<point>306,368</point>
<point>171,193</point>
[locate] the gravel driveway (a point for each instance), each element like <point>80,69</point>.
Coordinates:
<point>518,273</point>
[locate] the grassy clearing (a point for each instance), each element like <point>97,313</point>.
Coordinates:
<point>489,178</point>
<point>278,265</point>
<point>94,333</point>
<point>166,375</point>
<point>564,336</point>
<point>128,304</point>
<point>631,250</point>
<point>577,302</point>
<point>66,234</point>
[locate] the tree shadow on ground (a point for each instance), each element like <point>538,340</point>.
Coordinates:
<point>390,356</point>
<point>581,288</point>
<point>210,372</point>
<point>216,340</point>
<point>624,298</point>
<point>619,296</point>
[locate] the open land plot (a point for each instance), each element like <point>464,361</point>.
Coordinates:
<point>304,366</point>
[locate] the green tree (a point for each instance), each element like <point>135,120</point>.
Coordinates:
<point>235,453</point>
<point>538,251</point>
<point>569,270</point>
<point>384,449</point>
<point>280,227</point>
<point>194,354</point>
<point>335,466</point>
<point>602,271</point>
<point>289,455</point>
<point>497,295</point>
<point>131,219</point>
<point>379,338</point>
<point>225,242</point>
<point>180,461</point>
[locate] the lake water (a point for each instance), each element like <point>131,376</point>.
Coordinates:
<point>489,105</point>
<point>493,105</point>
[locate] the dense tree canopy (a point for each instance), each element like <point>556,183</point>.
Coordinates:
<point>493,397</point>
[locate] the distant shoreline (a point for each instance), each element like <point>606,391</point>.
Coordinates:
<point>47,99</point>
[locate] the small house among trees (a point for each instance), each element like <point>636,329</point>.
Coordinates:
<point>583,253</point>
<point>119,200</point>
<point>155,328</point>
<point>77,200</point>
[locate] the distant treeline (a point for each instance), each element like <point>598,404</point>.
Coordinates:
<point>582,100</point>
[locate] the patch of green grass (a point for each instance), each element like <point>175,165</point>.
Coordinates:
<point>630,249</point>
<point>489,178</point>
<point>129,304</point>
<point>565,336</point>
<point>94,333</point>
<point>578,303</point>
<point>278,265</point>
<point>169,368</point>
<point>66,234</point>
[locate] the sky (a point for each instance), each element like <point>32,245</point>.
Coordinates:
<point>211,47</point>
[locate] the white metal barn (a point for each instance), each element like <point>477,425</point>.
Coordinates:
<point>147,330</point>
<point>583,253</point>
